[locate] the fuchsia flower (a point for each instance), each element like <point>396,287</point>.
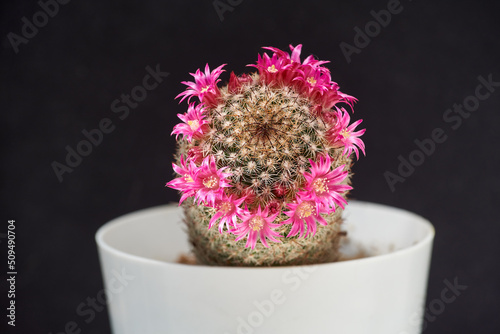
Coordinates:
<point>257,225</point>
<point>310,78</point>
<point>282,68</point>
<point>210,182</point>
<point>195,154</point>
<point>270,69</point>
<point>330,98</point>
<point>228,209</point>
<point>235,83</point>
<point>313,80</point>
<point>280,190</point>
<point>194,124</point>
<point>185,183</point>
<point>335,96</point>
<point>204,86</point>
<point>324,185</point>
<point>304,211</point>
<point>206,182</point>
<point>294,58</point>
<point>286,57</point>
<point>342,134</point>
<point>274,206</point>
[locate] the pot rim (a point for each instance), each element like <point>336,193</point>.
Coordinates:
<point>126,218</point>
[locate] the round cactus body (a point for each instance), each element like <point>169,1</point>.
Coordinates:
<point>263,163</point>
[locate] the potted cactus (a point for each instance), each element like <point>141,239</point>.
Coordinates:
<point>263,165</point>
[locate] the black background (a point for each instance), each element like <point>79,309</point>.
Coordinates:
<point>65,78</point>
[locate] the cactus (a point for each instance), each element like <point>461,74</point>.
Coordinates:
<point>264,163</point>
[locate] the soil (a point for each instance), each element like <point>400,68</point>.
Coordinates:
<point>186,259</point>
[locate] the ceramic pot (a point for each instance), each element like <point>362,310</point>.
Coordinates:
<point>380,293</point>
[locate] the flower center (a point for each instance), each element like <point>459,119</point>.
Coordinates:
<point>211,182</point>
<point>344,133</point>
<point>225,207</point>
<point>256,223</point>
<point>205,89</point>
<point>272,69</point>
<point>188,178</point>
<point>194,125</point>
<point>305,210</point>
<point>320,186</point>
<point>312,81</point>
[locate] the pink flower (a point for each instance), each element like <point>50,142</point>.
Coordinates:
<point>194,124</point>
<point>204,86</point>
<point>235,83</point>
<point>287,59</point>
<point>342,134</point>
<point>294,58</point>
<point>275,206</point>
<point>257,225</point>
<point>270,69</point>
<point>249,195</point>
<point>324,185</point>
<point>195,154</point>
<point>310,77</point>
<point>313,81</point>
<point>185,183</point>
<point>304,211</point>
<point>281,68</point>
<point>292,65</point>
<point>333,96</point>
<point>228,209</point>
<point>210,182</point>
<point>280,190</point>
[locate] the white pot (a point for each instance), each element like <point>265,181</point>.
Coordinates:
<point>149,293</point>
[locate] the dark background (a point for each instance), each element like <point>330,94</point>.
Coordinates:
<point>65,78</point>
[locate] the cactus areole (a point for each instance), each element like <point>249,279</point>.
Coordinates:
<point>263,164</point>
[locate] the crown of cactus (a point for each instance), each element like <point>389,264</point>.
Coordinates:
<point>266,158</point>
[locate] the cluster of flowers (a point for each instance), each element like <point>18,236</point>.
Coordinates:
<point>322,190</point>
